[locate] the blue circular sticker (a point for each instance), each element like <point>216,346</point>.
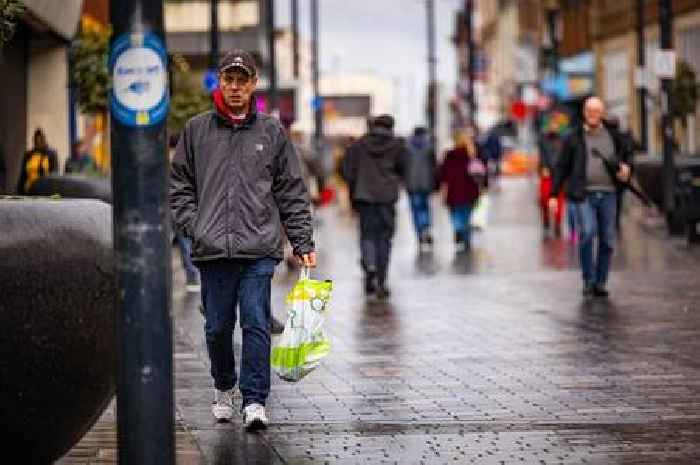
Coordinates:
<point>139,96</point>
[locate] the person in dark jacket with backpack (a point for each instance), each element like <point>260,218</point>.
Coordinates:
<point>38,162</point>
<point>373,168</point>
<point>236,188</point>
<point>594,163</point>
<point>420,180</point>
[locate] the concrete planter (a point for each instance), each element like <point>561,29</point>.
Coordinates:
<point>73,186</point>
<point>57,337</point>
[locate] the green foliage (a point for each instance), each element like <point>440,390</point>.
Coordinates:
<point>89,54</point>
<point>685,91</point>
<point>10,11</point>
<point>188,96</point>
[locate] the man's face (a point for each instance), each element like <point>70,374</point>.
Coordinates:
<point>593,113</point>
<point>237,87</point>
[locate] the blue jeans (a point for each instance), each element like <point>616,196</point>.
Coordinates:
<point>595,217</point>
<point>185,246</point>
<point>246,283</point>
<point>571,216</point>
<point>420,210</point>
<point>461,217</point>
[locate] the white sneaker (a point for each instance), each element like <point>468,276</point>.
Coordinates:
<point>254,417</point>
<point>222,407</point>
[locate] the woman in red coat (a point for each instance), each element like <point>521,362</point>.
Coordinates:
<point>462,176</point>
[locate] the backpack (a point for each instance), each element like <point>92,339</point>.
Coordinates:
<point>36,165</point>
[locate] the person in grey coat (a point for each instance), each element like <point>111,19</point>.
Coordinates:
<point>373,168</point>
<point>236,188</point>
<point>420,179</point>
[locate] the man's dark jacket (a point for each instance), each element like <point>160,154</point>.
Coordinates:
<point>573,159</point>
<point>234,188</point>
<point>373,167</point>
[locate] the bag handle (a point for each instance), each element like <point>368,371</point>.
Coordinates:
<point>304,273</point>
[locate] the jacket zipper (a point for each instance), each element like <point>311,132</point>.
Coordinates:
<point>229,226</point>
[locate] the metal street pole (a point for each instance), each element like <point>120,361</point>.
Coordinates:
<point>318,104</point>
<point>666,28</point>
<point>214,35</point>
<point>642,90</point>
<point>432,74</point>
<point>139,106</point>
<point>295,37</point>
<point>471,50</point>
<point>552,13</point>
<point>272,69</point>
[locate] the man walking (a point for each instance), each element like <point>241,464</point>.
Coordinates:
<point>594,163</point>
<point>420,178</point>
<point>373,167</point>
<point>235,185</point>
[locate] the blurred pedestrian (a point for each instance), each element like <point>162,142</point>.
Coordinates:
<point>192,280</point>
<point>630,146</point>
<point>493,149</point>
<point>373,168</point>
<point>236,187</point>
<point>421,179</point>
<point>309,172</point>
<point>549,149</point>
<point>38,162</point>
<point>592,187</point>
<point>184,243</point>
<point>308,162</point>
<point>462,177</point>
<point>80,161</point>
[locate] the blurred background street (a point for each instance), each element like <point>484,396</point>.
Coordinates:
<point>480,344</point>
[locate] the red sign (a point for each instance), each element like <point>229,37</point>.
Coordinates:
<point>518,110</point>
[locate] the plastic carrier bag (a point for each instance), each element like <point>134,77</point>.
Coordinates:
<point>480,215</point>
<point>303,344</point>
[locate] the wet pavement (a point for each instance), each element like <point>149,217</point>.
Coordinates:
<point>489,358</point>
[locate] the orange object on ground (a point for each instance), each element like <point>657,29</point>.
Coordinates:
<point>517,163</point>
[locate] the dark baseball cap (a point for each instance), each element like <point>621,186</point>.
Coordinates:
<point>238,59</point>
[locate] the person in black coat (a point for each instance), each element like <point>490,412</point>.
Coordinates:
<point>40,161</point>
<point>373,168</point>
<point>585,166</point>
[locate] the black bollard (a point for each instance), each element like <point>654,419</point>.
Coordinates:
<point>139,105</point>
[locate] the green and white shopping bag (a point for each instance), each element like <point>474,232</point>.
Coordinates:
<point>303,344</point>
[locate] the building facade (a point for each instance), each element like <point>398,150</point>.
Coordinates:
<point>35,82</point>
<point>615,43</point>
<point>507,35</point>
